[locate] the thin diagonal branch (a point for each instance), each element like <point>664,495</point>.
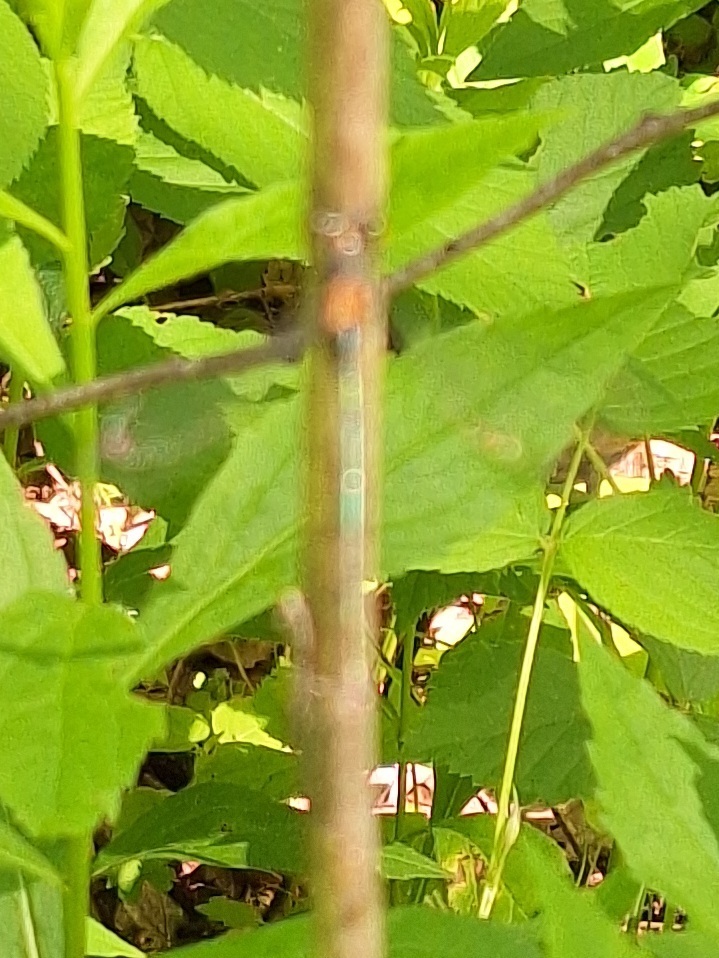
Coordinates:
<point>284,348</point>
<point>649,130</point>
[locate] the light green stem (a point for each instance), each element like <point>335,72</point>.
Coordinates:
<point>404,709</point>
<point>82,339</point>
<point>76,876</point>
<point>17,211</point>
<point>500,849</point>
<point>10,439</point>
<point>601,468</point>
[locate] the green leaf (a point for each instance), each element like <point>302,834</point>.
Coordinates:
<point>526,266</point>
<point>128,578</point>
<point>192,338</point>
<point>419,592</point>
<point>668,164</point>
<point>217,823</point>
<point>266,139</point>
<point>185,729</point>
<point>136,456</point>
<point>108,108</point>
<point>593,108</point>
<point>103,943</point>
<point>465,723</point>
<point>684,944</point>
<point>546,37</point>
<point>506,98</point>
<point>513,537</point>
<point>31,917</point>
<point>688,676</point>
<point>271,48</point>
<point>663,244</point>
<point>208,30</point>
<point>235,721</point>
<point>532,855</point>
<point>411,103</point>
<point>672,850</point>
<point>475,449</point>
<point>254,767</point>
<point>18,855</point>
<point>484,450</point>
<point>617,894</point>
<point>670,382</point>
<point>27,556</point>
<point>651,559</point>
<point>415,315</point>
<point>106,171</point>
<point>264,225</point>
<point>273,702</point>
<point>523,269</point>
<point>177,187</point>
<point>401,862</point>
<point>413,933</point>
<point>77,733</point>
<point>23,96</point>
<point>238,550</point>
<point>26,339</point>
<point>108,23</point>
<point>465,22</point>
<point>233,914</point>
<point>420,159</point>
<point>572,922</point>
<point>267,224</point>
<point>423,25</point>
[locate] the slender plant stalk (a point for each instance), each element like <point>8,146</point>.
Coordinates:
<point>404,710</point>
<point>10,439</point>
<point>650,459</point>
<point>601,468</point>
<point>75,872</point>
<point>17,211</point>
<point>403,768</point>
<point>286,347</point>
<point>82,339</point>
<point>700,471</point>
<point>500,846</point>
<point>598,464</point>
<point>348,45</point>
<point>27,920</point>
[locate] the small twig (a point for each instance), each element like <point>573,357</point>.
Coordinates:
<point>240,667</point>
<point>285,348</point>
<point>229,297</point>
<point>598,464</point>
<point>650,459</point>
<point>649,130</point>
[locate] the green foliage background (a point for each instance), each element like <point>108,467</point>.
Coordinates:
<point>192,119</point>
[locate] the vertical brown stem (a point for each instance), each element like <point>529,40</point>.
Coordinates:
<point>348,89</point>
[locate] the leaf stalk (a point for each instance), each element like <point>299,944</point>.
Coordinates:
<point>504,836</point>
<point>83,350</point>
<point>17,211</point>
<point>75,870</point>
